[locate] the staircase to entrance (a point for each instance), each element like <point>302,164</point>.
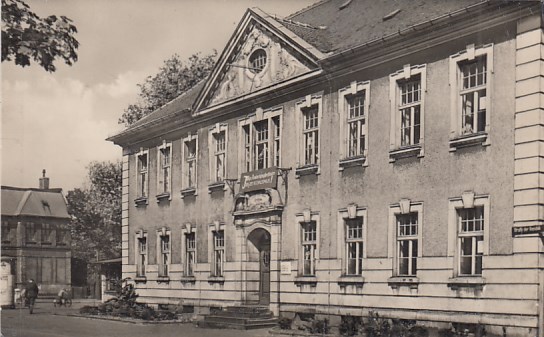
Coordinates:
<point>243,317</point>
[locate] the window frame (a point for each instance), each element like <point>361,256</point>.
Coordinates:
<point>185,160</point>
<point>31,229</point>
<point>47,230</point>
<point>214,154</point>
<point>7,230</point>
<point>141,235</point>
<point>161,191</point>
<point>467,200</point>
<point>142,185</point>
<point>396,149</point>
<point>306,217</point>
<point>458,138</point>
<point>303,105</point>
<point>164,252</point>
<point>351,212</point>
<point>404,207</point>
<point>354,89</point>
<point>217,227</point>
<point>247,140</point>
<point>187,230</point>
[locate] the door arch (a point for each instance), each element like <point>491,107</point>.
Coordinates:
<point>259,251</point>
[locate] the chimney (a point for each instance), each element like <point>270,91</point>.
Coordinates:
<point>44,181</point>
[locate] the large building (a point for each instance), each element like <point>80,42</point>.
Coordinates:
<point>35,236</point>
<point>354,156</point>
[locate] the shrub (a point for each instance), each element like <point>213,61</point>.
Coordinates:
<point>377,326</point>
<point>320,326</point>
<point>285,323</point>
<point>350,325</point>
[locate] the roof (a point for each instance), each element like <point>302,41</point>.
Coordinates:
<point>352,23</point>
<point>33,202</point>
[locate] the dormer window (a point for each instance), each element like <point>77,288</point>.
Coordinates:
<point>257,61</point>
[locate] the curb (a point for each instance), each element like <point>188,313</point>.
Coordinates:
<point>120,319</point>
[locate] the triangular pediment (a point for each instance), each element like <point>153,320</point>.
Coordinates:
<point>258,56</point>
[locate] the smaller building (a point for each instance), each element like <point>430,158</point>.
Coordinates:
<point>35,236</point>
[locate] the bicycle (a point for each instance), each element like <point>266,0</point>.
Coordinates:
<point>66,301</point>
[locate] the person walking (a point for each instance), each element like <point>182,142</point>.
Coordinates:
<point>31,293</point>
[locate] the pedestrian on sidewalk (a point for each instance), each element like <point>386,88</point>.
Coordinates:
<point>31,293</point>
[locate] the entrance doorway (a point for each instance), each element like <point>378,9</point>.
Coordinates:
<point>260,245</point>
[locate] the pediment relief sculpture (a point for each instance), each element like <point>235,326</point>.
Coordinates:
<point>261,60</point>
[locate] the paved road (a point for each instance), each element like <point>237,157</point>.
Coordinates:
<point>47,323</point>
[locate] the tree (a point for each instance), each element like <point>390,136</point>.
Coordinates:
<point>96,213</point>
<point>26,37</point>
<point>173,79</point>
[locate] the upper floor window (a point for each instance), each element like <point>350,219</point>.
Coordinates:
<point>31,232</point>
<point>407,88</point>
<point>309,111</point>
<point>6,232</point>
<point>62,235</point>
<point>189,163</point>
<point>257,61</point>
<point>218,151</point>
<point>470,78</point>
<point>164,168</point>
<point>261,140</point>
<point>353,105</point>
<point>47,232</point>
<point>142,173</point>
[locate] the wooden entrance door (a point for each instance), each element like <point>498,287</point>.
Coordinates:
<point>264,273</point>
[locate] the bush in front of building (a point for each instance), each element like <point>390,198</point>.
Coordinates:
<point>350,325</point>
<point>378,326</point>
<point>320,326</point>
<point>285,323</point>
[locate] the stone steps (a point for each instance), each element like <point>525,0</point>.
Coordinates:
<point>240,317</point>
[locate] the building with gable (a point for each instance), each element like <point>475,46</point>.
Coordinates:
<point>35,236</point>
<point>355,156</point>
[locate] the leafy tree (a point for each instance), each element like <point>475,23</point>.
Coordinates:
<point>173,79</point>
<point>96,213</point>
<point>26,37</point>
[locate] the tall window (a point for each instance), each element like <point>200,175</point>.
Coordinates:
<point>471,240</point>
<point>407,244</point>
<point>190,253</point>
<point>311,135</point>
<point>190,162</point>
<point>47,231</point>
<point>164,254</point>
<point>31,232</point>
<point>309,247</point>
<point>354,246</point>
<point>143,163</point>
<point>141,256</point>
<point>61,235</point>
<point>355,105</point>
<point>6,232</point>
<point>261,141</point>
<point>164,178</point>
<point>473,95</point>
<point>218,153</point>
<point>407,95</point>
<point>218,252</point>
<point>410,111</point>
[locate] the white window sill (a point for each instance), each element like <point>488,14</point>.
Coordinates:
<point>306,280</point>
<point>163,279</point>
<point>351,280</point>
<point>217,186</point>
<point>472,139</point>
<point>352,162</point>
<point>396,282</point>
<point>140,279</point>
<point>406,152</point>
<point>140,201</point>
<point>163,196</point>
<point>189,191</point>
<point>307,170</point>
<point>188,279</point>
<point>216,279</point>
<point>466,282</point>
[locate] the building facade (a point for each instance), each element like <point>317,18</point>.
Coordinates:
<point>36,237</point>
<point>352,157</point>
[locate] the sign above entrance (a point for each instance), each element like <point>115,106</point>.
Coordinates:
<point>259,180</point>
<point>521,230</point>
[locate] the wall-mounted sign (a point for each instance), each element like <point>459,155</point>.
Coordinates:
<point>286,268</point>
<point>521,230</point>
<point>259,180</point>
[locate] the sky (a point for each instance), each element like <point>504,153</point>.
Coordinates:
<point>59,121</point>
